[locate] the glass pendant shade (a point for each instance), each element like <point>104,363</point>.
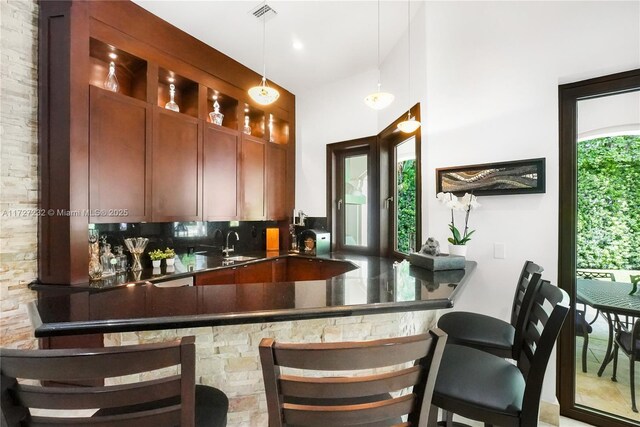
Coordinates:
<point>379,100</point>
<point>410,125</point>
<point>263,94</point>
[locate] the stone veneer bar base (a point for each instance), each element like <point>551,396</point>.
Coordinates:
<point>227,356</point>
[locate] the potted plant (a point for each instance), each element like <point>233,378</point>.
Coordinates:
<point>169,256</point>
<point>458,240</point>
<point>156,257</point>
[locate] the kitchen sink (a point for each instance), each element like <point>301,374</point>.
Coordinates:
<point>239,258</point>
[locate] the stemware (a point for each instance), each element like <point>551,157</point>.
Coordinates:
<point>136,245</point>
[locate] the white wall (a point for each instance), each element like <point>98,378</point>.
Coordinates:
<point>488,92</point>
<point>327,114</point>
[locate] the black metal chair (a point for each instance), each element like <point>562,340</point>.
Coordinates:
<point>480,386</point>
<point>583,329</point>
<point>173,400</point>
<point>629,343</point>
<point>487,333</point>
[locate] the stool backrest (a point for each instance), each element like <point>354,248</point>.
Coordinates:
<point>547,314</point>
<point>29,377</point>
<point>301,399</point>
<point>528,270</point>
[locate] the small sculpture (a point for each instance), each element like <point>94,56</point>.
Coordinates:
<point>431,247</point>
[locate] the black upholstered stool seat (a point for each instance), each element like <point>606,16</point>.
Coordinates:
<point>479,331</point>
<point>493,335</point>
<point>479,381</point>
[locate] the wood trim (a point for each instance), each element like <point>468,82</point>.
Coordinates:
<point>569,95</point>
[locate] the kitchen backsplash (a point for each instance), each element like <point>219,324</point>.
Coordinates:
<point>201,237</point>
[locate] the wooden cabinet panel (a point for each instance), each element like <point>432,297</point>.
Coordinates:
<point>177,152</point>
<point>255,273</point>
<point>220,174</point>
<point>277,182</point>
<point>279,269</point>
<point>224,276</point>
<point>252,178</point>
<point>303,269</point>
<point>119,133</point>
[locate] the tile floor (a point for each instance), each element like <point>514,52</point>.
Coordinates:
<point>600,392</point>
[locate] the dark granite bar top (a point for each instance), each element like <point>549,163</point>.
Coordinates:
<point>378,285</point>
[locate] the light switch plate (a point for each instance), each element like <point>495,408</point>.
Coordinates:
<point>499,250</point>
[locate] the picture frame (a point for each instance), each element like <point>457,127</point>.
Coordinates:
<point>492,179</point>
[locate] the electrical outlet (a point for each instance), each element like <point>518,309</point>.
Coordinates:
<point>499,250</point>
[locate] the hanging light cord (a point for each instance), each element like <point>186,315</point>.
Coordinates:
<point>378,46</point>
<point>264,41</point>
<point>409,52</point>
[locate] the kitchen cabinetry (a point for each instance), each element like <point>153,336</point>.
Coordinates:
<point>279,269</point>
<point>315,269</point>
<point>261,272</point>
<point>252,174</point>
<point>276,182</point>
<point>120,129</point>
<point>176,167</point>
<point>224,276</point>
<point>220,173</point>
<point>154,160</point>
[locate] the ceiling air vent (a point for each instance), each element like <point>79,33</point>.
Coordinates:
<point>263,11</point>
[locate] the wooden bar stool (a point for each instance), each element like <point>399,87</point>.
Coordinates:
<point>303,400</point>
<point>173,400</point>
<point>487,333</point>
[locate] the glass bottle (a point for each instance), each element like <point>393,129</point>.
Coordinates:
<point>246,129</point>
<point>108,260</point>
<point>216,116</point>
<point>95,267</point>
<point>111,82</point>
<point>122,264</point>
<point>171,105</point>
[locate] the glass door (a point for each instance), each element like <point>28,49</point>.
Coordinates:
<point>599,237</point>
<point>404,181</point>
<point>353,204</point>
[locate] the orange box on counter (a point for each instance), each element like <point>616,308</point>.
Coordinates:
<point>273,239</point>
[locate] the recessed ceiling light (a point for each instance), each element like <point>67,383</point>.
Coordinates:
<point>297,45</point>
<point>113,55</point>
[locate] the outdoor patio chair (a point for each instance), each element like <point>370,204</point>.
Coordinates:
<point>629,343</point>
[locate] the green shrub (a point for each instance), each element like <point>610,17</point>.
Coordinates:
<point>608,234</point>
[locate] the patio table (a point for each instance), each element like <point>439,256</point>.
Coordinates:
<point>612,299</point>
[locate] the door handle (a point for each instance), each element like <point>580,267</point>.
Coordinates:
<point>339,204</point>
<point>388,201</point>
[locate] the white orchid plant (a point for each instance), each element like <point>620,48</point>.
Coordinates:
<point>465,204</point>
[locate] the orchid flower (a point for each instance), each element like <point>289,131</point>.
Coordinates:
<point>465,203</point>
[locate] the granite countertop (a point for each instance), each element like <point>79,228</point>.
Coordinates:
<point>378,285</point>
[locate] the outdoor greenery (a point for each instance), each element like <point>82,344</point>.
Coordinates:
<point>608,235</point>
<point>406,176</point>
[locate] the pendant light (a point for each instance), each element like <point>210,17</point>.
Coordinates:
<point>379,100</point>
<point>263,94</point>
<point>409,125</point>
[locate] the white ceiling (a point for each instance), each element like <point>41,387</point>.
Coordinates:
<point>339,38</point>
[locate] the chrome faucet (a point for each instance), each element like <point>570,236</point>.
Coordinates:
<point>228,249</point>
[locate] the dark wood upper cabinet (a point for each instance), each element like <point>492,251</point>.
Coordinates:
<point>123,152</point>
<point>220,173</point>
<point>176,167</point>
<point>276,182</point>
<point>252,178</point>
<point>119,137</point>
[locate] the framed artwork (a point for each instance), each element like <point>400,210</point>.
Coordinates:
<point>516,177</point>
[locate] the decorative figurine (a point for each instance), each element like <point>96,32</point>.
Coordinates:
<point>431,247</point>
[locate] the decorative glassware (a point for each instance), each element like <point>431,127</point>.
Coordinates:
<point>111,82</point>
<point>107,259</point>
<point>271,135</point>
<point>122,264</point>
<point>171,105</point>
<point>216,116</point>
<point>95,268</point>
<point>246,129</point>
<point>136,246</point>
